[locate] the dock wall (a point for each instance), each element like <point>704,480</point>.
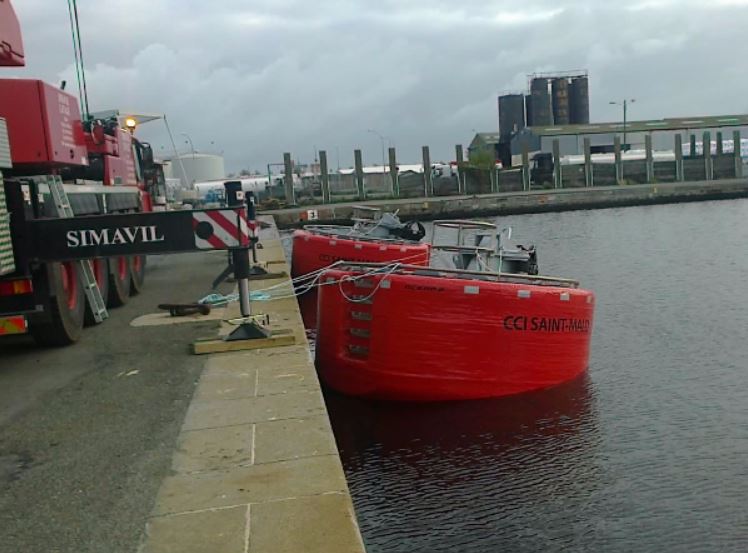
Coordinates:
<point>511,203</point>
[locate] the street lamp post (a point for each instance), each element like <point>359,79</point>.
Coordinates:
<point>381,138</point>
<point>625,110</point>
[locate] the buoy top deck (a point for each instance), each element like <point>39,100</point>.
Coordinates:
<point>518,278</point>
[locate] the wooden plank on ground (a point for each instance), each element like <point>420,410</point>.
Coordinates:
<point>268,276</point>
<point>213,345</point>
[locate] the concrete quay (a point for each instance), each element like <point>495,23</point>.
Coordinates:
<point>512,203</point>
<point>256,467</point>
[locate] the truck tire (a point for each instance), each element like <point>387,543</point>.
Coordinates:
<point>119,281</point>
<point>101,272</point>
<point>67,305</point>
<point>137,273</point>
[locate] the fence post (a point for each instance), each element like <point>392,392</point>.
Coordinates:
<point>679,172</point>
<point>589,179</point>
<point>738,154</point>
<point>707,148</point>
<point>288,179</point>
<point>428,181</point>
<point>394,178</point>
<point>720,144</point>
<point>692,149</point>
<point>649,164</point>
<point>324,177</point>
<point>459,156</point>
<point>359,170</point>
<point>526,168</point>
<point>618,162</point>
<point>557,175</point>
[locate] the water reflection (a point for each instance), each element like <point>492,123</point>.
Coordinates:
<point>468,476</point>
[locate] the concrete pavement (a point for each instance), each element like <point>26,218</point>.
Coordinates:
<point>87,432</point>
<point>256,467</point>
<point>109,445</point>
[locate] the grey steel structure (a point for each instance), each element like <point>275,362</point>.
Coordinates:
<point>560,88</point>
<point>559,98</point>
<point>541,103</point>
<point>511,114</point>
<point>649,125</point>
<point>528,109</point>
<point>579,101</point>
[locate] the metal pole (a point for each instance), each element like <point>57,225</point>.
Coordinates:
<point>707,147</point>
<point>737,153</point>
<point>254,237</point>
<point>288,168</point>
<point>526,184</point>
<point>359,170</point>
<point>679,174</point>
<point>649,163</point>
<point>428,183</point>
<point>393,173</point>
<point>557,175</point>
<point>624,124</point>
<point>244,304</point>
<point>588,177</point>
<point>239,256</point>
<point>176,153</point>
<point>324,176</point>
<point>384,172</point>
<point>618,163</point>
<point>381,141</point>
<point>460,177</point>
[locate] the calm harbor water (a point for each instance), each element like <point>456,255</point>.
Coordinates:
<point>647,452</point>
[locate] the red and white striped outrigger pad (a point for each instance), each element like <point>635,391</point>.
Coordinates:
<point>221,229</point>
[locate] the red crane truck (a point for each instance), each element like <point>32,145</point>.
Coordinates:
<point>105,170</point>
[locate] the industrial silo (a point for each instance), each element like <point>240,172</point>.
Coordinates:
<point>196,167</point>
<point>579,101</point>
<point>511,115</point>
<point>528,109</point>
<point>560,88</point>
<point>541,103</point>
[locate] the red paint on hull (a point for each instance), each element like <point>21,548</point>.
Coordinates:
<point>429,338</point>
<point>314,251</point>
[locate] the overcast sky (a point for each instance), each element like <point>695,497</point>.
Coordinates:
<point>257,78</point>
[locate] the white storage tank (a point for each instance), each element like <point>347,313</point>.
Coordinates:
<point>197,168</point>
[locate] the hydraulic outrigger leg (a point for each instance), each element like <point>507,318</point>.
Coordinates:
<point>250,327</point>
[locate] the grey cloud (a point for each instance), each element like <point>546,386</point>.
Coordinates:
<point>263,77</point>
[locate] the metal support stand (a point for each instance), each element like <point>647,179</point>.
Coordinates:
<point>250,327</point>
<point>235,197</point>
<point>255,270</point>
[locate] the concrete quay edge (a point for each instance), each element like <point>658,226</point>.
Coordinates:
<point>514,203</point>
<point>256,468</point>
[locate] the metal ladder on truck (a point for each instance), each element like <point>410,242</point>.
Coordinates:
<point>85,268</point>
